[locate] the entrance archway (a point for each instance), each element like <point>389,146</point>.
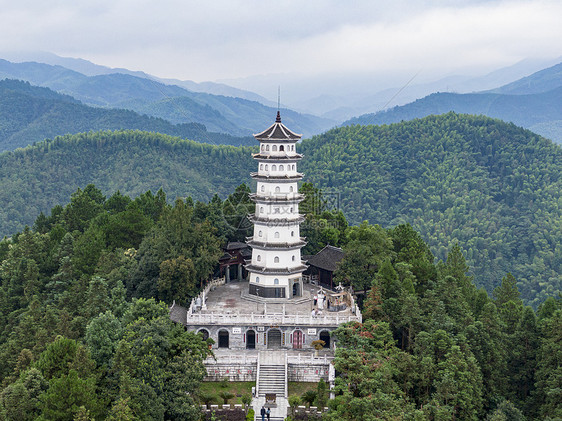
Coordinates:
<point>204,333</point>
<point>223,339</point>
<point>325,336</point>
<point>274,338</point>
<point>296,290</point>
<point>250,339</point>
<point>298,339</point>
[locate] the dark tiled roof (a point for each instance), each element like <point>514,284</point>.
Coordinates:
<point>327,258</point>
<point>178,314</point>
<point>236,245</point>
<point>277,131</point>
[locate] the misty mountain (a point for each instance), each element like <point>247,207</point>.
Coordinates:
<point>541,81</point>
<point>539,111</point>
<point>88,68</point>
<point>340,98</point>
<point>29,114</point>
<point>120,90</point>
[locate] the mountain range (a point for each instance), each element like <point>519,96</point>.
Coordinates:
<point>219,113</point>
<point>533,102</point>
<point>29,114</point>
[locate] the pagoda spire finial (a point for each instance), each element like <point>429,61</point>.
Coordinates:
<point>278,119</point>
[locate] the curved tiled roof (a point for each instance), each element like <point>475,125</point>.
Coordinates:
<point>327,258</point>
<point>278,131</point>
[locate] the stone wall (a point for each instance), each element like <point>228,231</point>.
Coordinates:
<point>304,372</point>
<point>233,372</point>
<point>237,336</point>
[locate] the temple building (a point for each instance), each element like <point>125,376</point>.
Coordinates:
<point>266,319</point>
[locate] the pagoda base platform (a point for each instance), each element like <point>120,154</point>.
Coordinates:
<point>245,295</point>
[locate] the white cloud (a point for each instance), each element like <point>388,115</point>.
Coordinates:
<point>226,39</point>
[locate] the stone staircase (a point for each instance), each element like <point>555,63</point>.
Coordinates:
<point>272,378</point>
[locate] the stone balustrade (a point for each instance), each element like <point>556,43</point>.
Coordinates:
<point>196,319</point>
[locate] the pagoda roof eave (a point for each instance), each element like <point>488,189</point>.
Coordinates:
<point>278,132</point>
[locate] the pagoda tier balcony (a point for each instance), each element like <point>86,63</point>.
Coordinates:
<point>276,271</point>
<point>279,178</point>
<point>262,245</point>
<point>276,222</point>
<point>277,157</point>
<point>277,198</point>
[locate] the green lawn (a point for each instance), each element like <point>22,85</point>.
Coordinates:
<point>236,388</point>
<point>245,388</point>
<point>298,388</point>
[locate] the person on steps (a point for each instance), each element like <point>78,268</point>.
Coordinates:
<point>268,413</point>
<point>262,413</point>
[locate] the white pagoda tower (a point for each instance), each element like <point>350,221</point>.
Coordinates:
<point>276,267</point>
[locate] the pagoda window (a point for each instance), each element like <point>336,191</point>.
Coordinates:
<point>281,168</point>
<point>260,234</point>
<point>293,258</point>
<point>276,281</point>
<point>276,259</point>
<point>274,148</point>
<point>293,167</point>
<point>277,189</point>
<point>261,209</point>
<point>267,148</point>
<point>281,148</point>
<point>257,279</point>
<point>274,168</point>
<point>291,189</point>
<point>259,258</point>
<point>266,167</point>
<point>262,187</point>
<point>277,234</point>
<point>263,147</point>
<point>261,166</point>
<point>292,233</point>
<point>291,210</point>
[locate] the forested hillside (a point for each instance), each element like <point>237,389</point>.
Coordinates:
<point>86,335</point>
<point>490,185</point>
<point>29,114</point>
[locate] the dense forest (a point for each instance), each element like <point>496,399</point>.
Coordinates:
<point>491,186</point>
<point>86,333</point>
<point>29,114</point>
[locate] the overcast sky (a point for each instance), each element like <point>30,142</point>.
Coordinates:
<point>210,40</point>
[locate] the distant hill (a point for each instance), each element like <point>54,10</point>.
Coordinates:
<point>534,102</point>
<point>30,114</point>
<point>170,102</point>
<point>88,68</point>
<point>490,185</point>
<point>541,81</point>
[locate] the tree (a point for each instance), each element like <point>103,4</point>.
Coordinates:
<point>83,207</point>
<point>102,336</point>
<point>177,280</point>
<point>507,291</point>
<point>66,394</point>
<point>21,398</point>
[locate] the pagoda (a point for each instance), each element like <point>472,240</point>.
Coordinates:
<point>275,269</point>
